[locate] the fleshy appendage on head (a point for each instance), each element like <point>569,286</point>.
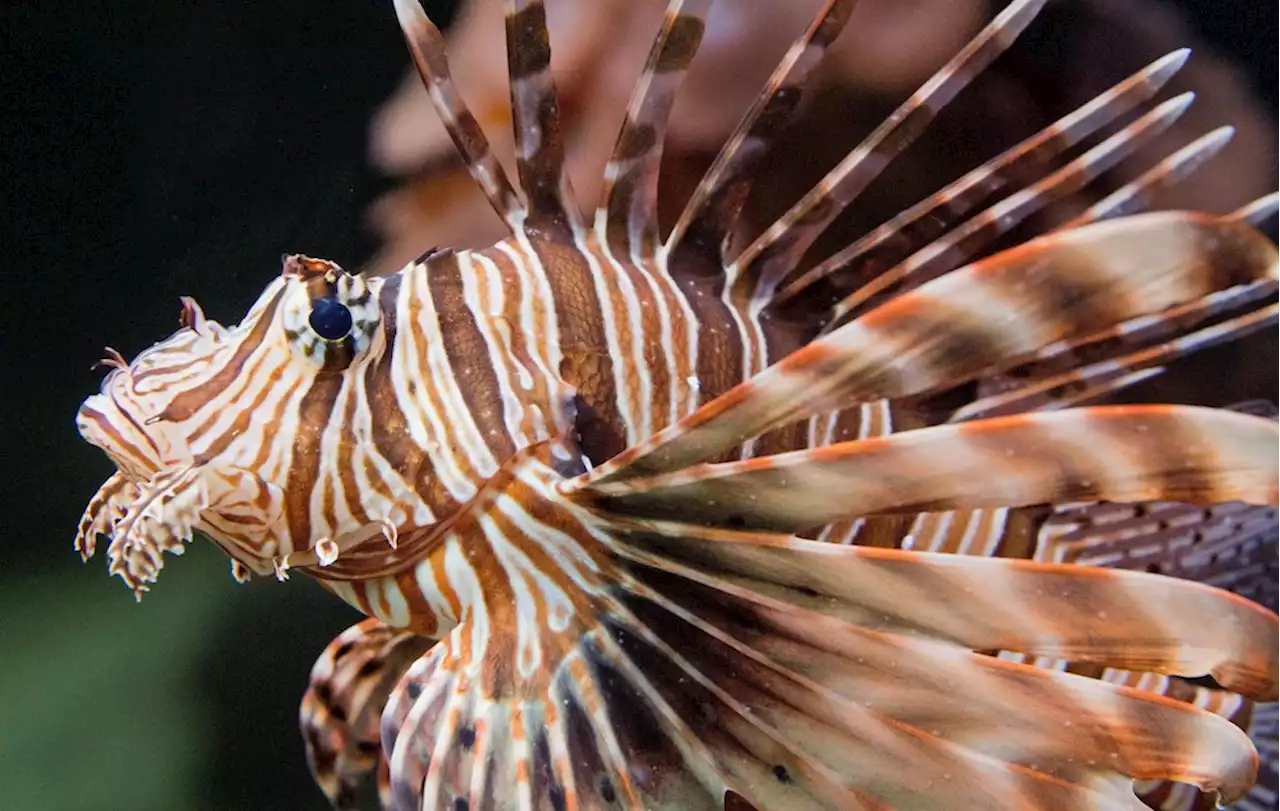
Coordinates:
<point>202,426</point>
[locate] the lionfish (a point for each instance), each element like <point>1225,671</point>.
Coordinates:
<point>642,518</point>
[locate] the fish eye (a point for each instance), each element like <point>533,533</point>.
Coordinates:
<point>330,319</point>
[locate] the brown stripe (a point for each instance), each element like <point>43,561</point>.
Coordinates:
<point>636,140</point>
<point>468,354</point>
<point>425,620</point>
<point>527,341</point>
<point>1022,528</point>
<point>388,428</point>
<point>832,23</point>
<point>681,44</point>
<point>586,364</point>
<point>656,364</point>
<point>314,414</point>
<point>536,115</point>
<point>448,590</point>
<point>264,448</point>
<point>360,590</point>
<point>346,464</point>
<point>719,364</point>
<point>528,44</point>
<point>328,501</point>
<point>376,479</point>
<point>1071,281</point>
<point>186,403</point>
<point>113,438</point>
<point>251,375</point>
<point>781,339</point>
<point>548,514</point>
<point>950,345</point>
<point>186,365</point>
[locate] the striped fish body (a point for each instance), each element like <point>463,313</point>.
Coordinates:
<point>532,323</point>
<point>611,500</point>
<point>492,353</point>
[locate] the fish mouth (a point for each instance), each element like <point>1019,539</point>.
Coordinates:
<point>104,422</point>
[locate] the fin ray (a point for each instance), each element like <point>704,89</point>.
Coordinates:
<point>1123,619</point>
<point>628,212</point>
<point>1104,453</point>
<point>426,44</point>
<point>912,229</point>
<point>884,684</point>
<point>535,115</point>
<point>1135,196</point>
<point>959,326</point>
<point>712,211</point>
<point>756,272</point>
<point>951,250</point>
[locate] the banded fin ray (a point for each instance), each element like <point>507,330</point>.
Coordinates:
<point>426,44</point>
<point>711,213</point>
<point>1229,545</point>
<point>628,212</point>
<point>970,238</point>
<point>536,121</point>
<point>342,707</point>
<point>1077,613</point>
<point>987,315</point>
<point>912,229</point>
<point>1093,380</point>
<point>876,710</point>
<point>1136,195</point>
<point>1091,367</point>
<point>757,271</point>
<point>1104,453</point>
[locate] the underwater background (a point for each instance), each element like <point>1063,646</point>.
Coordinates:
<point>158,150</point>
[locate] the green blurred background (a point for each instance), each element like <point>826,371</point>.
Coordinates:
<point>153,151</point>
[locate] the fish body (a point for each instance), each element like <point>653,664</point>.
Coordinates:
<point>644,519</point>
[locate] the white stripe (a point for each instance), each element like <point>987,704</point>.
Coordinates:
<point>539,335</point>
<point>611,338</point>
<point>644,427</point>
<point>409,365</point>
<point>496,333</point>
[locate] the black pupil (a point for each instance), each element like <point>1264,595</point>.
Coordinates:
<point>330,319</point>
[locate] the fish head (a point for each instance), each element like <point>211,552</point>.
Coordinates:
<point>223,430</point>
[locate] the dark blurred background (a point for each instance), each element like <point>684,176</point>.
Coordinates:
<point>151,151</point>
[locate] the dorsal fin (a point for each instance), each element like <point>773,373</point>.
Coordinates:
<point>712,211</point>
<point>756,272</point>
<point>912,229</point>
<point>535,115</point>
<point>1136,195</point>
<point>628,212</point>
<point>970,238</point>
<point>428,49</point>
